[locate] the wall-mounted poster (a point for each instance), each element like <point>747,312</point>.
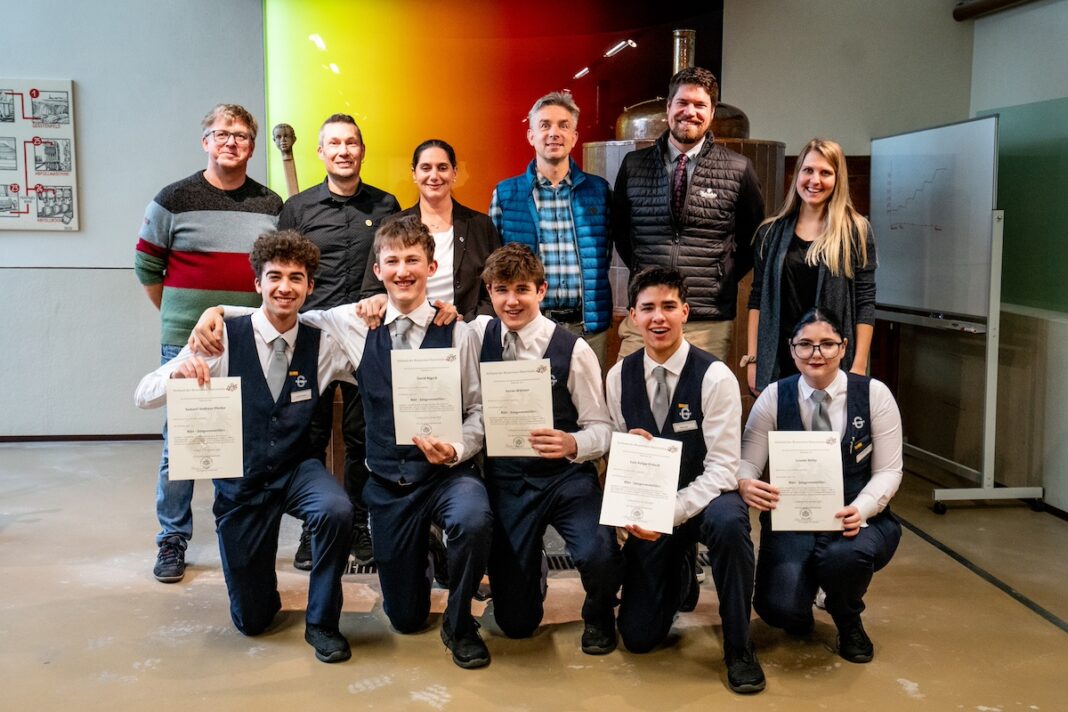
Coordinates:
<point>38,173</point>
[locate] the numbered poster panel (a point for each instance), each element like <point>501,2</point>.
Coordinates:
<point>38,174</point>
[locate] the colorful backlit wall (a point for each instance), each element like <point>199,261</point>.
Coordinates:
<point>465,71</point>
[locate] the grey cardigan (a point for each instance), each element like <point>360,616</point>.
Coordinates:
<point>852,301</point>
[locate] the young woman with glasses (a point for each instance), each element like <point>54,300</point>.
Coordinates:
<point>793,565</point>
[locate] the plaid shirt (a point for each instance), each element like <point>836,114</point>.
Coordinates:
<point>556,242</point>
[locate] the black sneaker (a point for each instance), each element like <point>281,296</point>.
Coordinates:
<point>744,674</point>
<point>468,650</point>
<point>170,561</point>
<point>854,644</point>
<point>361,545</point>
<point>598,640</point>
<point>303,558</point>
<point>330,646</point>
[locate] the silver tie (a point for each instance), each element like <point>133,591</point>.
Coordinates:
<point>509,345</point>
<point>400,333</point>
<point>277,367</point>
<point>660,397</point>
<point>821,401</point>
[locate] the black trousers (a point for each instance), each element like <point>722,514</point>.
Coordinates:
<point>793,565</point>
<point>522,511</point>
<point>248,546</point>
<point>653,586</point>
<point>352,430</point>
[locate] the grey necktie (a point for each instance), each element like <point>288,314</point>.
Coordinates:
<point>509,345</point>
<point>276,367</point>
<point>660,396</point>
<point>400,332</point>
<point>821,402</point>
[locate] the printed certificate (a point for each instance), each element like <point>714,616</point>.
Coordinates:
<point>516,398</point>
<point>806,466</point>
<point>427,398</point>
<point>641,482</point>
<point>204,429</point>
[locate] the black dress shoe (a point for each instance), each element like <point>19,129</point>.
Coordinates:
<point>468,650</point>
<point>854,644</point>
<point>690,587</point>
<point>330,646</point>
<point>744,674</point>
<point>598,640</point>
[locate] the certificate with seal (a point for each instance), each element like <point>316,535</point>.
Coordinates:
<point>806,466</point>
<point>427,399</point>
<point>204,431</point>
<point>517,397</point>
<point>642,482</point>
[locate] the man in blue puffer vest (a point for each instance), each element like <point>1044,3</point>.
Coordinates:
<point>561,214</point>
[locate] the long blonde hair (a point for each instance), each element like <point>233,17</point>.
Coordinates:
<point>834,246</point>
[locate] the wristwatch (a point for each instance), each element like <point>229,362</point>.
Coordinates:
<point>746,360</point>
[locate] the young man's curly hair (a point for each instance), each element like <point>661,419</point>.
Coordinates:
<point>284,246</point>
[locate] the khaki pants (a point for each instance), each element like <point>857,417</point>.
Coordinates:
<point>711,336</point>
<point>598,342</point>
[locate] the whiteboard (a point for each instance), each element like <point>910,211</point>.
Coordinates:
<point>932,193</point>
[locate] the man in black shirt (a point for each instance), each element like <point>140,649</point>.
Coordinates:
<point>340,215</point>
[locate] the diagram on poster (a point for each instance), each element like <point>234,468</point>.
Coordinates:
<point>38,171</point>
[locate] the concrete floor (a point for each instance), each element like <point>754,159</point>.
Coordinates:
<point>83,625</point>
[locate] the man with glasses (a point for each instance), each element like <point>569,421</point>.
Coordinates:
<point>192,253</point>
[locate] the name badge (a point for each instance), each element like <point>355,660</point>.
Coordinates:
<point>298,396</point>
<point>684,426</point>
<point>863,454</point>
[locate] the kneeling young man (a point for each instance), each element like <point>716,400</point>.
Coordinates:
<point>671,389</point>
<point>559,487</point>
<point>283,366</point>
<point>431,480</point>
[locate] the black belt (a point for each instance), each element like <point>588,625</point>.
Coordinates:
<point>564,316</point>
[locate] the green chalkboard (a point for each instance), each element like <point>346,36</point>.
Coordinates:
<point>1033,192</point>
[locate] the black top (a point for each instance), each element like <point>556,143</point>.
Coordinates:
<point>798,296</point>
<point>344,229</point>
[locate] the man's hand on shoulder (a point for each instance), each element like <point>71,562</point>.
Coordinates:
<point>207,335</point>
<point>372,309</point>
<point>447,313</point>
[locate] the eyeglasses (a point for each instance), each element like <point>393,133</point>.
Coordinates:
<point>221,136</point>
<point>827,349</point>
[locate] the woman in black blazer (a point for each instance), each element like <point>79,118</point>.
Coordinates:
<point>463,237</point>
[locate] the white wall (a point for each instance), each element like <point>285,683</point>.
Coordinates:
<point>77,329</point>
<point>1021,56</point>
<point>850,70</point>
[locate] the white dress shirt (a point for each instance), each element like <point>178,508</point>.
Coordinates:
<point>334,365</point>
<point>886,457</point>
<point>721,427</point>
<point>350,331</point>
<point>583,382</point>
<point>440,284</point>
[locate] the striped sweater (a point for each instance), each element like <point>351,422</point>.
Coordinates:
<point>195,240</point>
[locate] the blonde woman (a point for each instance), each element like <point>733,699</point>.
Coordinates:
<point>816,251</point>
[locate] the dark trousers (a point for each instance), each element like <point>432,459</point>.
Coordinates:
<point>400,519</point>
<point>248,545</point>
<point>793,565</point>
<point>352,430</point>
<point>654,577</point>
<point>522,511</point>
